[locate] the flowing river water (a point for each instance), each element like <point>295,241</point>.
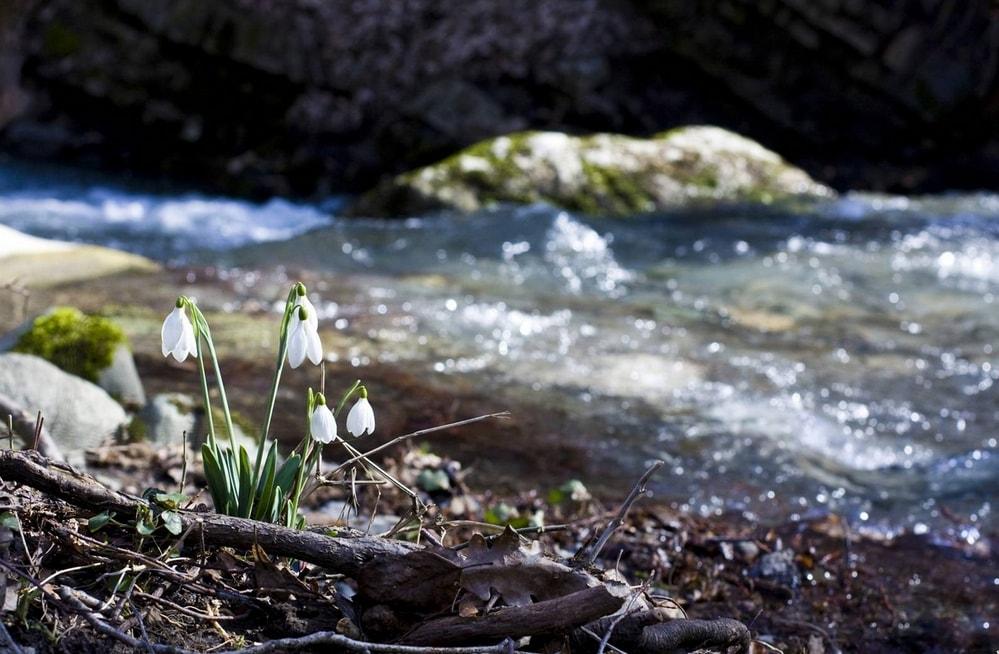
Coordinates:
<point>828,357</point>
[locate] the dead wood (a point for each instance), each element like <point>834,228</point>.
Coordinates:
<point>337,554</point>
<point>541,618</point>
<point>646,631</point>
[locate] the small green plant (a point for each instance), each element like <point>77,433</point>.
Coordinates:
<point>262,489</point>
<point>80,344</point>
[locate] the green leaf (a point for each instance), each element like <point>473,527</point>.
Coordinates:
<point>229,467</point>
<point>9,520</point>
<point>99,521</point>
<point>265,489</point>
<point>145,528</point>
<point>216,478</point>
<point>172,522</point>
<point>433,480</point>
<point>170,500</point>
<point>285,478</point>
<point>244,471</point>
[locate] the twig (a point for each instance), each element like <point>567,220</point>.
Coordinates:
<point>142,627</point>
<point>333,638</point>
<point>589,632</point>
<point>415,434</point>
<point>9,640</point>
<point>628,610</point>
<point>100,625</point>
<point>39,423</point>
<point>338,554</point>
<point>21,422</point>
<point>185,610</point>
<point>636,492</point>
<point>183,455</point>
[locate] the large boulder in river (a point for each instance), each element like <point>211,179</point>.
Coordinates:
<point>597,174</point>
<point>79,415</point>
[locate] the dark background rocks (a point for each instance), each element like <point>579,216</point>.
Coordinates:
<point>301,97</point>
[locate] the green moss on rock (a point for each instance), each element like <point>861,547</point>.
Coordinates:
<point>80,344</point>
<point>606,174</point>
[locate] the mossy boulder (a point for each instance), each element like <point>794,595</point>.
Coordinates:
<point>604,174</point>
<point>80,344</point>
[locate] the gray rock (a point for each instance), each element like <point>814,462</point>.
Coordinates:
<point>10,339</point>
<point>607,174</point>
<point>121,379</point>
<point>79,415</point>
<point>167,416</point>
<point>778,567</point>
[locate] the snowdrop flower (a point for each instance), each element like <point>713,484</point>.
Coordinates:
<point>322,425</point>
<point>177,334</point>
<point>361,418</point>
<point>304,339</point>
<point>311,315</point>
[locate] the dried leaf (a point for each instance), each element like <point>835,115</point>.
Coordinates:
<point>519,574</point>
<point>421,580</point>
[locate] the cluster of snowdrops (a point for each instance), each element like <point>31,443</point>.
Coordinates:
<point>267,488</point>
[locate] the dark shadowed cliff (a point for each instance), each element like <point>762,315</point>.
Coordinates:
<point>303,97</point>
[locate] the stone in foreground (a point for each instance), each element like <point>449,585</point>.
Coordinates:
<point>601,174</point>
<point>79,415</point>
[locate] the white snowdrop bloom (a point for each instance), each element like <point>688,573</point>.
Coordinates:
<point>322,425</point>
<point>303,340</point>
<point>361,418</point>
<point>177,335</point>
<point>311,315</point>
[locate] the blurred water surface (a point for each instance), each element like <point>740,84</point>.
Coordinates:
<point>784,361</point>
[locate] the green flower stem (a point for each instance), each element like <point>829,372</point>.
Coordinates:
<point>346,397</point>
<point>275,382</point>
<point>296,491</point>
<point>207,332</point>
<point>204,392</point>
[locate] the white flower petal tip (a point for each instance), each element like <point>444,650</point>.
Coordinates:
<point>322,425</point>
<point>314,348</point>
<point>177,336</point>
<point>298,343</point>
<point>361,418</point>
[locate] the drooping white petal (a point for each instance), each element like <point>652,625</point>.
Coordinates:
<point>315,346</point>
<point>190,338</point>
<point>187,344</point>
<point>298,343</point>
<point>322,425</point>
<point>172,331</point>
<point>361,418</point>
<point>311,316</point>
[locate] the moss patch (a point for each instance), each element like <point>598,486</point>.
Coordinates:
<point>79,344</point>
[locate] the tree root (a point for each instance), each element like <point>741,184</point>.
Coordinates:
<point>645,631</point>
